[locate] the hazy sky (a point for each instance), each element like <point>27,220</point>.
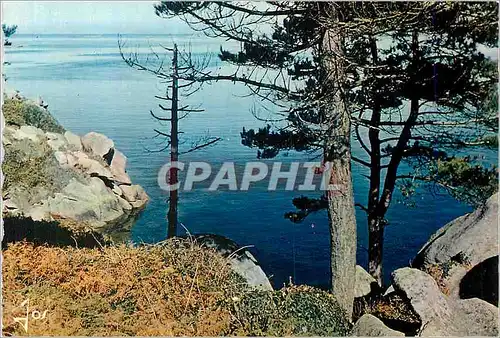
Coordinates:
<point>87,17</point>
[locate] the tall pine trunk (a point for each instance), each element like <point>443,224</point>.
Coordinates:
<point>375,218</point>
<point>377,208</point>
<point>341,212</point>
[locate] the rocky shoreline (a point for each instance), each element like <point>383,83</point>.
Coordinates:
<point>451,288</point>
<point>53,174</point>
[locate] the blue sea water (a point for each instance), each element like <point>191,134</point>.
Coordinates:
<point>90,88</point>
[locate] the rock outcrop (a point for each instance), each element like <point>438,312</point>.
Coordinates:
<point>442,315</point>
<point>98,144</point>
<point>242,261</point>
<point>461,255</point>
<point>58,175</point>
<point>451,288</point>
<point>364,283</point>
<point>370,326</point>
<point>471,238</point>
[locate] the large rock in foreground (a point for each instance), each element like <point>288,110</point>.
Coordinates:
<point>370,326</point>
<point>442,315</point>
<point>471,238</point>
<point>364,283</point>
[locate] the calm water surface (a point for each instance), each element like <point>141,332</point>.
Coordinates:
<point>89,88</point>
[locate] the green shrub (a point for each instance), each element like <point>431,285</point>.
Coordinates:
<point>27,164</point>
<point>13,112</point>
<point>294,310</point>
<point>22,112</point>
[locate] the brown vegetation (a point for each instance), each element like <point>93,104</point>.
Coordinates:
<point>172,288</point>
<point>169,289</point>
<point>441,272</point>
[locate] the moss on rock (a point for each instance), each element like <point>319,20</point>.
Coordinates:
<point>32,171</point>
<point>24,112</point>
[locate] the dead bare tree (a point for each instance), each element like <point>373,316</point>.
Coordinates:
<point>180,77</point>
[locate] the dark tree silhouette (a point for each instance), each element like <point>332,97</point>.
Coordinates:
<point>274,66</point>
<point>409,76</point>
<point>8,31</point>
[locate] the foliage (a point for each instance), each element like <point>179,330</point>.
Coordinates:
<point>394,310</point>
<point>8,31</point>
<point>173,288</point>
<point>13,111</point>
<point>463,177</point>
<point>22,112</point>
<point>466,181</point>
<point>290,60</point>
<point>27,165</point>
<point>443,270</point>
<point>305,206</point>
<point>151,290</point>
<point>293,310</point>
<point>417,84</point>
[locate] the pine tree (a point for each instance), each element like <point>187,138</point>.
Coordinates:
<point>8,31</point>
<point>274,66</point>
<point>411,76</point>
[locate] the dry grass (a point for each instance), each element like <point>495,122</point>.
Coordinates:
<point>441,272</point>
<point>172,289</point>
<point>394,310</point>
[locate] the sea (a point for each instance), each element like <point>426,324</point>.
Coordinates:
<point>89,87</point>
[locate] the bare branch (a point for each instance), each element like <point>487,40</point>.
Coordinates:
<point>159,118</point>
<point>201,146</point>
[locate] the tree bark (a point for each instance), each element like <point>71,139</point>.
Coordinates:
<point>375,221</point>
<point>174,152</point>
<point>375,247</point>
<point>341,212</point>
